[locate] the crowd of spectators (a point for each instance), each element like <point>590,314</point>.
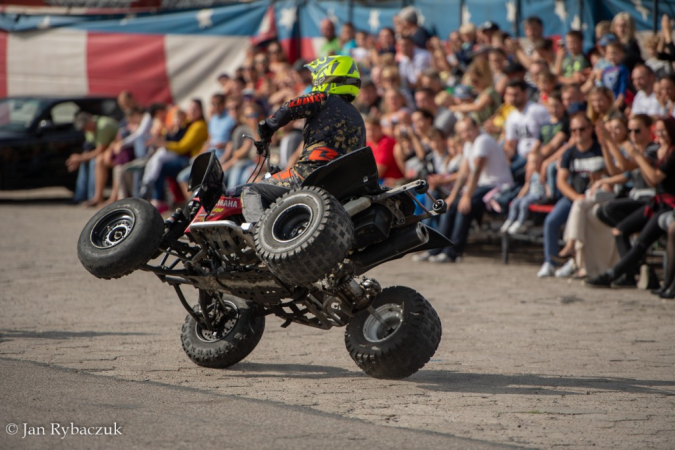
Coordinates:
<point>494,123</point>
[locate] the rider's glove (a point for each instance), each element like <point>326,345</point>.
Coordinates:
<point>261,146</point>
<point>264,131</point>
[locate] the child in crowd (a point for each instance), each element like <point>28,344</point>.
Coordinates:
<point>601,63</point>
<point>532,191</point>
<point>360,52</point>
<point>614,76</point>
<point>571,63</point>
<point>546,84</point>
<point>446,156</point>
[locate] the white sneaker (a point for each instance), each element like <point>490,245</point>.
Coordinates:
<point>505,228</point>
<point>440,258</point>
<point>424,256</point>
<point>517,228</point>
<point>547,270</point>
<point>567,270</point>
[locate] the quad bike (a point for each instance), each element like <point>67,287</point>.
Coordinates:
<point>304,261</point>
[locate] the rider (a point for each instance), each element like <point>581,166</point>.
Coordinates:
<point>333,127</point>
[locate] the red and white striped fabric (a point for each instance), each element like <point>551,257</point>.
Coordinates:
<point>169,57</point>
<point>168,68</point>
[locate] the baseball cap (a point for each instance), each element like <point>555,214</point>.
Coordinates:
<point>489,26</point>
<point>606,39</point>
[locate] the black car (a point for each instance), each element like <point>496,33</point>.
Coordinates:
<point>37,136</point>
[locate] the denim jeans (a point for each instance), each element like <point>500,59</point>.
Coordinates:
<point>519,208</point>
<point>169,169</point>
<point>86,181</point>
<point>455,225</point>
<point>554,220</point>
<point>518,164</point>
<point>552,178</point>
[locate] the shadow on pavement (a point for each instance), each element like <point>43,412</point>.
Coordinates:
<point>36,201</point>
<point>7,335</point>
<point>292,370</point>
<point>437,380</point>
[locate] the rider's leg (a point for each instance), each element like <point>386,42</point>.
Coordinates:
<point>258,197</point>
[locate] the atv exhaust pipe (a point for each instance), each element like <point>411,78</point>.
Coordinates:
<point>396,245</point>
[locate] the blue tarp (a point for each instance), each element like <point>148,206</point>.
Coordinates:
<point>440,16</point>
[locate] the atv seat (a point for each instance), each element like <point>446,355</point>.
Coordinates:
<point>347,176</point>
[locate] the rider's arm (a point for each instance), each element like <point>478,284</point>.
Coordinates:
<point>298,108</point>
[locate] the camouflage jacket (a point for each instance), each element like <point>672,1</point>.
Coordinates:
<point>333,128</point>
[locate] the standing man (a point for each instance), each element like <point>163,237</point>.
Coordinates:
<point>99,133</point>
<point>484,167</point>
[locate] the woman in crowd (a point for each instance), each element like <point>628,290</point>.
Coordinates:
<point>173,156</point>
<point>394,110</point>
<point>623,27</point>
<point>487,101</point>
<point>601,104</point>
<point>645,219</point>
<point>589,244</point>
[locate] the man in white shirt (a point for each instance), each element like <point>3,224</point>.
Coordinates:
<point>484,167</point>
<point>645,101</point>
<point>523,124</point>
<point>412,60</point>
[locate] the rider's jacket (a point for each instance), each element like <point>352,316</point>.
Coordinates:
<point>333,128</point>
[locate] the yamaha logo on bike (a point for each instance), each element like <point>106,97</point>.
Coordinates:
<point>229,203</point>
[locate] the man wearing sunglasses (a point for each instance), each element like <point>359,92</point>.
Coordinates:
<point>579,163</point>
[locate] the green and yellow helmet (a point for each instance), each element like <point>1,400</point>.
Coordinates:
<point>337,75</point>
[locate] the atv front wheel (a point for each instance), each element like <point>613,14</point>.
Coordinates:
<point>401,341</point>
<point>304,235</point>
<point>238,329</point>
<point>120,238</point>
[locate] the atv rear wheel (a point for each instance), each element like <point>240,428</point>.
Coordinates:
<point>239,327</point>
<point>304,235</point>
<point>120,238</point>
<point>401,345</point>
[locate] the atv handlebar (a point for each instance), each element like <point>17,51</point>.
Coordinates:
<point>262,147</point>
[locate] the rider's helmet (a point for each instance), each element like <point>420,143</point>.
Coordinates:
<point>337,75</point>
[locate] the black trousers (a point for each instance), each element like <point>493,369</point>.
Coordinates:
<point>650,232</point>
<point>614,211</point>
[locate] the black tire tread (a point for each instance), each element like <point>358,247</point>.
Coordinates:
<point>106,268</point>
<point>224,353</point>
<point>402,357</point>
<point>320,253</point>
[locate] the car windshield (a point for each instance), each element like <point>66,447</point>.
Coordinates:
<point>17,114</point>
